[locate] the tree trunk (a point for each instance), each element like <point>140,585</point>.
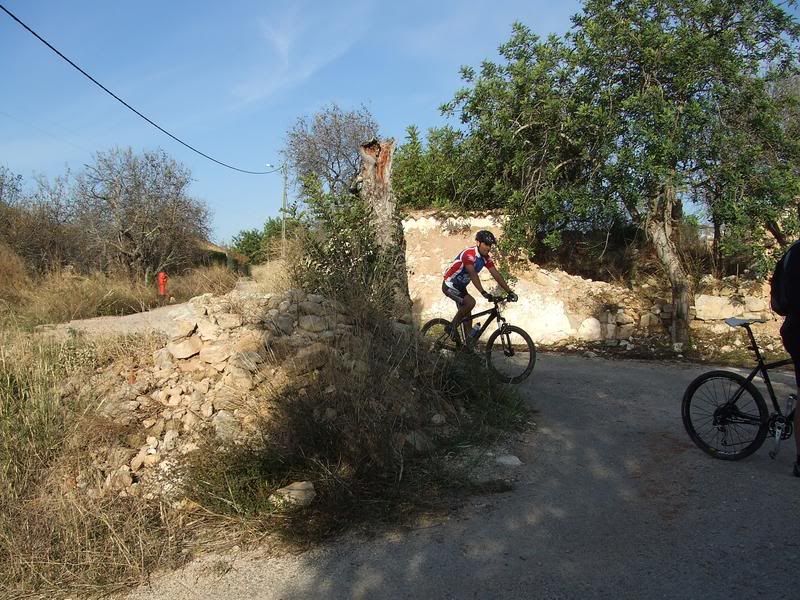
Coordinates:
<point>662,235</point>
<point>375,179</point>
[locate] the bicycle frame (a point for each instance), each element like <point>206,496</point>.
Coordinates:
<point>494,313</point>
<point>763,369</point>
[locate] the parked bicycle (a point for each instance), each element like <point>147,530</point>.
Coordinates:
<point>510,353</point>
<point>726,415</point>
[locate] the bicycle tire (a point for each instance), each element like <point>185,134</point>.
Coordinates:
<point>438,340</point>
<point>490,347</point>
<point>706,397</point>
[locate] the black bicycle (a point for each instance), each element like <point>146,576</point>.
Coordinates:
<point>510,353</point>
<point>726,416</point>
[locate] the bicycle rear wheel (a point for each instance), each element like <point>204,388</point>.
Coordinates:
<point>725,415</point>
<point>510,354</point>
<point>435,336</point>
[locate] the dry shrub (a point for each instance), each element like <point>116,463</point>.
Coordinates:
<point>362,433</point>
<point>272,277</point>
<point>14,279</point>
<point>215,279</point>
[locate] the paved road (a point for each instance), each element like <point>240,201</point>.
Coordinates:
<point>612,501</point>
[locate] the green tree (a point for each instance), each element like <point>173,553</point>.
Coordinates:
<point>626,116</point>
<point>433,174</point>
<point>248,242</point>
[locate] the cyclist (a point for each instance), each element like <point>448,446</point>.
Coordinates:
<point>463,270</point>
<point>790,330</point>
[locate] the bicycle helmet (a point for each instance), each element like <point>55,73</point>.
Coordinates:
<point>486,236</point>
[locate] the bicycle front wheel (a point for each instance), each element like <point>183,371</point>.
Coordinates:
<point>725,415</point>
<point>510,354</point>
<point>435,336</point>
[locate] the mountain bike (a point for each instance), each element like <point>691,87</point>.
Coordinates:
<point>510,353</point>
<point>727,417</point>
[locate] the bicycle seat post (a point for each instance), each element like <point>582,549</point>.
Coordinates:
<point>753,344</point>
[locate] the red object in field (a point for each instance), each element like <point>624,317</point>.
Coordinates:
<point>161,280</point>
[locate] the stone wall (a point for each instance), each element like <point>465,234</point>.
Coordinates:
<point>221,363</point>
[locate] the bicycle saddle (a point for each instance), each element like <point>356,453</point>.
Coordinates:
<point>735,322</point>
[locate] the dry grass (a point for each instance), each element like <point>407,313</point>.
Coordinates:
<point>273,277</point>
<point>54,542</point>
<point>215,279</point>
<point>61,296</point>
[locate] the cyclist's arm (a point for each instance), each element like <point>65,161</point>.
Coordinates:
<point>476,281</point>
<point>499,279</point>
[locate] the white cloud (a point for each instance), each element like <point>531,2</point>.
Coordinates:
<point>299,42</point>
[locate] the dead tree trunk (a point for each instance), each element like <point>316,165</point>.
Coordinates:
<point>375,187</point>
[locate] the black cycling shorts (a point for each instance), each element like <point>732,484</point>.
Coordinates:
<point>790,334</point>
<point>455,295</point>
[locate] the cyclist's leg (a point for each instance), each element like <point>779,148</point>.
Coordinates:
<point>456,296</point>
<point>790,334</point>
<point>465,313</point>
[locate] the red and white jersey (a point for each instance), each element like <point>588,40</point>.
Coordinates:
<point>456,275</point>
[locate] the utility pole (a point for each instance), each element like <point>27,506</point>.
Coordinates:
<point>284,168</point>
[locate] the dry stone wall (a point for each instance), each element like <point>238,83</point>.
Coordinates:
<point>224,358</point>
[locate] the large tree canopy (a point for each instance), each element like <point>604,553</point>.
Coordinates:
<point>644,105</point>
<point>136,212</point>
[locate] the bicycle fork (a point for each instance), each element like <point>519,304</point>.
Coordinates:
<point>505,341</point>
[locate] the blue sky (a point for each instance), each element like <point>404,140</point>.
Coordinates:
<point>231,79</point>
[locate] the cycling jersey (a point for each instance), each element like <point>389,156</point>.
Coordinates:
<point>456,276</point>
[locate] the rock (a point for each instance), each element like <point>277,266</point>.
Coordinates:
<point>182,329</point>
<point>120,479</point>
<point>190,421</point>
<point>138,460</point>
<point>229,320</point>
<point>623,318</point>
<point>215,352</point>
<point>202,386</point>
<point>238,378</point>
<point>208,330</point>
<point>169,440</point>
<point>309,359</point>
<point>312,308</point>
<point>726,349</point>
<point>715,308</point>
<point>590,329</point>
<point>438,419</point>
<point>162,359</point>
<point>152,459</point>
<point>186,348</point>
<point>508,460</point>
<point>313,323</point>
<point>283,324</point>
<point>299,493</point>
<point>207,409</point>
<point>624,331</point>
<point>226,426</point>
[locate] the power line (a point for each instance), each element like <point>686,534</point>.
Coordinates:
<point>120,100</point>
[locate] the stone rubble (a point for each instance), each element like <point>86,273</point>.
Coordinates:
<point>212,376</point>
